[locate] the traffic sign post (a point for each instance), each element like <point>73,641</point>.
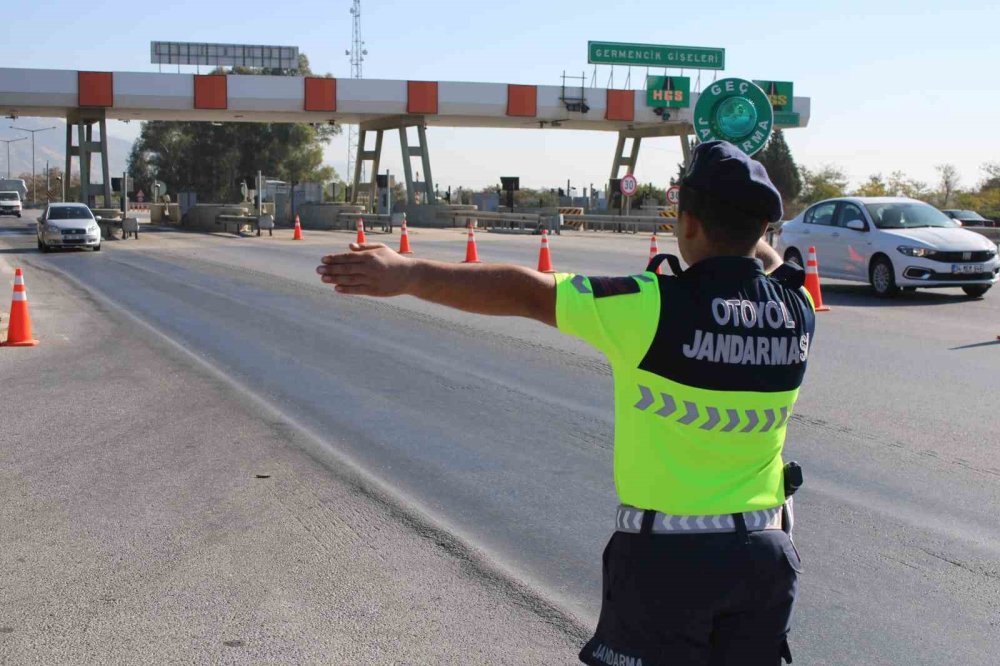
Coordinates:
<point>737,111</point>
<point>673,195</point>
<point>629,185</point>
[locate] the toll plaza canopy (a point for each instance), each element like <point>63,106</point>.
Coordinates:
<point>250,98</point>
<point>87,99</point>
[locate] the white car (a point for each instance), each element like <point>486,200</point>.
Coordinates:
<point>10,203</point>
<point>68,225</point>
<point>890,242</point>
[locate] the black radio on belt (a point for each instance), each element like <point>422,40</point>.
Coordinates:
<point>793,478</point>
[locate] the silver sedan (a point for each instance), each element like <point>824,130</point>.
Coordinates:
<point>68,225</point>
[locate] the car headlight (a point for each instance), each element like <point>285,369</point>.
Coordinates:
<point>93,229</point>
<point>911,251</point>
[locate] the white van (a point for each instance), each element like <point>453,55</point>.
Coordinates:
<point>10,203</point>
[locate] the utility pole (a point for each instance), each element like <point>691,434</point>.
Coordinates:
<point>357,54</point>
<point>34,199</point>
<point>8,142</point>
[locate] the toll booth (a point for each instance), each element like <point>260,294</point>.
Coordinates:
<point>384,184</point>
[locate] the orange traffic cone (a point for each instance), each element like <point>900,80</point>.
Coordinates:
<point>19,329</point>
<point>653,251</point>
<point>298,230</point>
<point>544,257</point>
<point>404,239</point>
<point>471,253</point>
<point>361,232</point>
<point>812,280</point>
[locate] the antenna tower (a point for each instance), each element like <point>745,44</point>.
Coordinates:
<point>356,54</point>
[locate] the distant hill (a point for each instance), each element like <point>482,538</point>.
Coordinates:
<point>51,146</point>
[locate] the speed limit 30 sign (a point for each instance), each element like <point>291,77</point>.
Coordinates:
<point>673,195</point>
<point>629,185</point>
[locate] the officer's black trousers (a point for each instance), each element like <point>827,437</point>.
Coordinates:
<point>692,600</point>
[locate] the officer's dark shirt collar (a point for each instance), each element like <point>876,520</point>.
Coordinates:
<point>726,268</point>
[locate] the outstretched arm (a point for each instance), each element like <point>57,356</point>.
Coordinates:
<point>767,255</point>
<point>492,289</point>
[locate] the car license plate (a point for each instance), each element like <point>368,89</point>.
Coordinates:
<point>968,268</point>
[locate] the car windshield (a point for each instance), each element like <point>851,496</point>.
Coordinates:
<point>968,215</point>
<point>908,215</point>
<point>70,213</point>
<point>9,196</point>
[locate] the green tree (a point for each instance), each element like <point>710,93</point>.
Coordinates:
<point>900,185</point>
<point>991,173</point>
<point>50,189</point>
<point>875,186</point>
<point>212,158</point>
<point>948,184</point>
<point>527,197</point>
<point>649,194</point>
<point>825,183</point>
<point>777,159</point>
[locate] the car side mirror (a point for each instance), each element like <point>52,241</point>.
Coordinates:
<point>98,218</point>
<point>857,225</point>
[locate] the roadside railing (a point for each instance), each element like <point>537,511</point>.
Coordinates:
<point>369,220</point>
<point>531,222</point>
<point>619,223</point>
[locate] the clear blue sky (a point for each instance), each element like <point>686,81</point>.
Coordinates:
<point>895,85</point>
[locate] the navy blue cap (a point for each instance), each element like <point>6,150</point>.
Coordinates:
<point>721,170</point>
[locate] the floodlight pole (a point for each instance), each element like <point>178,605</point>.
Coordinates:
<point>8,142</point>
<point>43,129</point>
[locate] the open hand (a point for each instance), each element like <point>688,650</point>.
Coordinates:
<point>371,269</point>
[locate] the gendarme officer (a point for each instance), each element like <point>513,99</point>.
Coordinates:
<point>707,365</point>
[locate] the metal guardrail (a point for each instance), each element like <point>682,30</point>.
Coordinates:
<point>521,221</point>
<point>369,220</point>
<point>993,233</point>
<point>618,223</point>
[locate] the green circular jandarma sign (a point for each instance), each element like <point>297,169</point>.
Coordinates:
<point>734,110</point>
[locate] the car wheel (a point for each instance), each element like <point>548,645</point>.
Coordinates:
<point>976,290</point>
<point>97,248</point>
<point>883,277</point>
<point>792,256</point>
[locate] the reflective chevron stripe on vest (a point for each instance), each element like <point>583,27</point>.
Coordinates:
<point>692,413</point>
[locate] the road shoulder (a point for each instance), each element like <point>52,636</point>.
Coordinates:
<point>155,515</point>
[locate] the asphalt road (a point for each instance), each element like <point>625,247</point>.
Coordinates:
<point>500,429</point>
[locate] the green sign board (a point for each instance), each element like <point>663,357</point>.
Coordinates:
<point>780,94</point>
<point>669,92</point>
<point>786,118</point>
<point>652,55</point>
<point>736,111</point>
